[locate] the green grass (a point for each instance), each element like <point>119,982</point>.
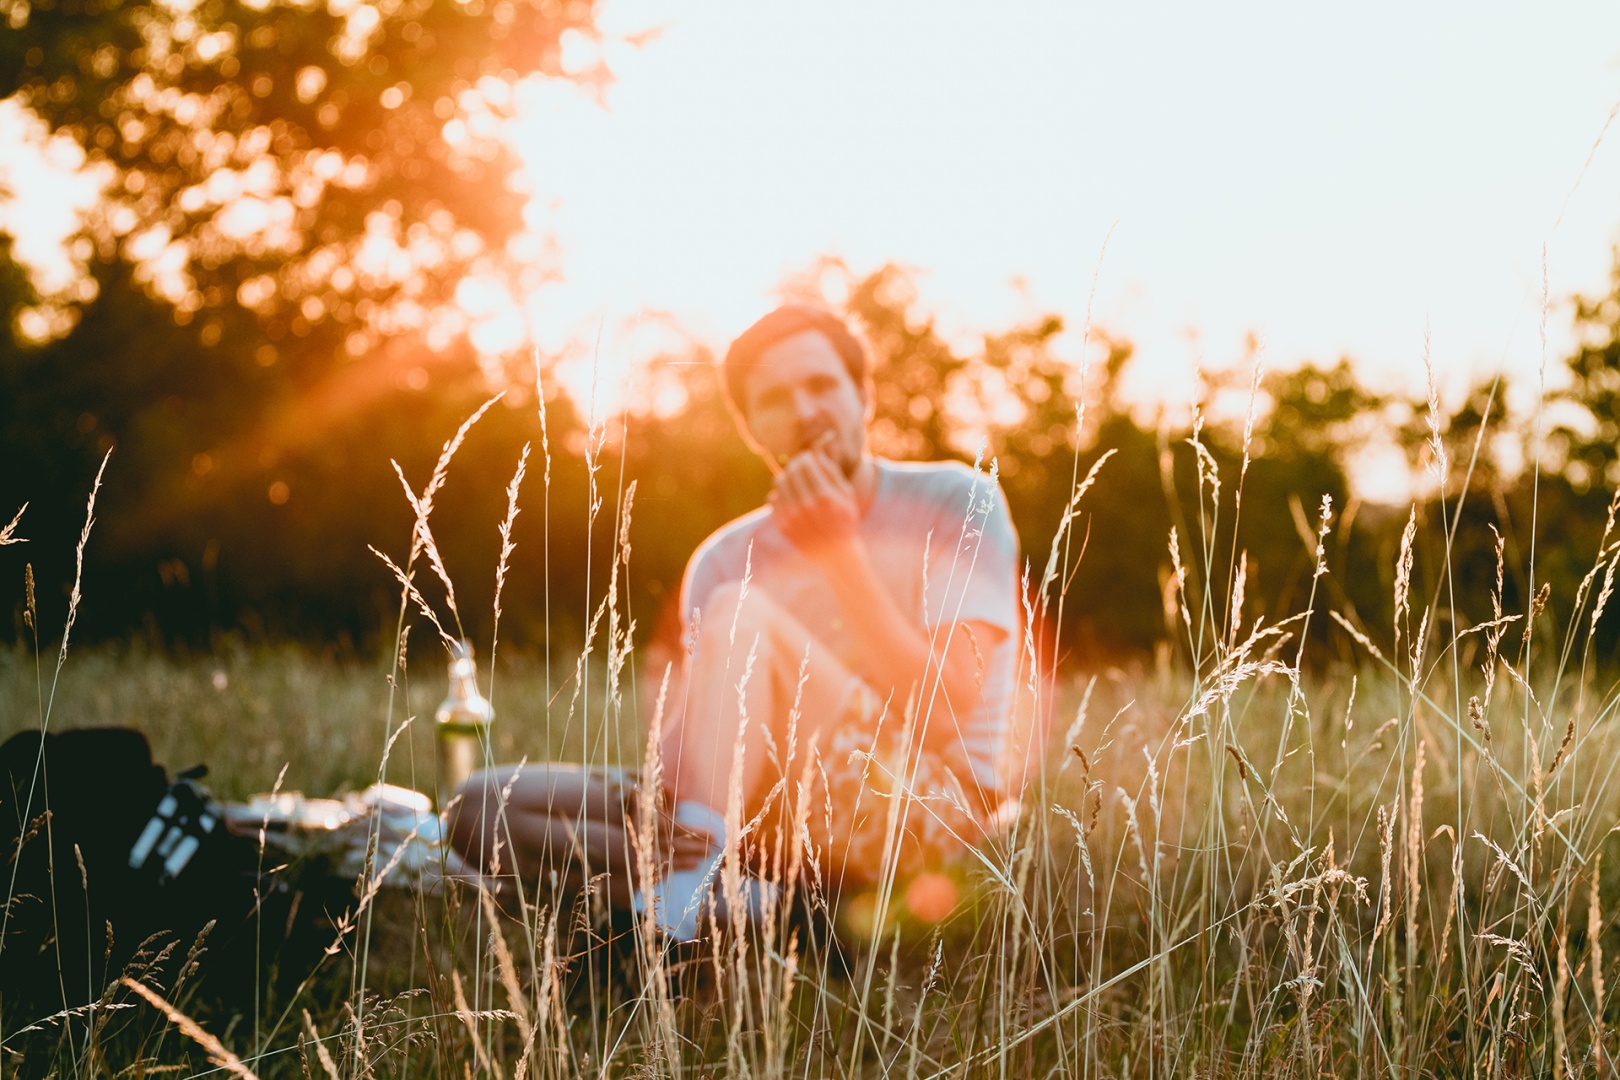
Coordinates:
<point>248,712</point>
<point>1229,864</point>
<point>1219,937</point>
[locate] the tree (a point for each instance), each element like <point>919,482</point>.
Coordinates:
<point>295,192</point>
<point>321,165</point>
<point>1589,441</point>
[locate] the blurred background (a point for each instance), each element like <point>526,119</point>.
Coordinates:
<point>262,249</point>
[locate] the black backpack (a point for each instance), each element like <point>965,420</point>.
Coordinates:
<point>102,854</point>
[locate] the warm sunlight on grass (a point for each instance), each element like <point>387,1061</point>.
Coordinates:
<point>361,373</point>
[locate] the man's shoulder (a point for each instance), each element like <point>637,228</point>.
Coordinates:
<point>937,481</point>
<point>952,499</point>
<point>729,543</point>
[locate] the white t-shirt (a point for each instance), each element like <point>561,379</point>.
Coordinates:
<point>941,541</point>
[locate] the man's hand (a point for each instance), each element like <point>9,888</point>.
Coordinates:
<point>814,504</point>
<point>687,847</point>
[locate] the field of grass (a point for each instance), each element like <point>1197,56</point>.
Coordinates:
<point>250,712</point>
<point>1231,875</point>
<point>1230,863</point>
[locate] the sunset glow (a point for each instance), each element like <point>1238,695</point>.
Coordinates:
<point>1325,186</point>
<point>1333,184</point>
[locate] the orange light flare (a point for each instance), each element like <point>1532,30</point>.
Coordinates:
<point>598,340</point>
<point>931,897</point>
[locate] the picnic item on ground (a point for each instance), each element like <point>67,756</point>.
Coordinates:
<point>103,849</point>
<point>461,724</point>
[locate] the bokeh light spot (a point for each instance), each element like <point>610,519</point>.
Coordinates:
<point>931,897</point>
<point>861,917</point>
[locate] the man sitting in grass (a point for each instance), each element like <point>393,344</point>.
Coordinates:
<point>858,631</point>
<point>872,596</point>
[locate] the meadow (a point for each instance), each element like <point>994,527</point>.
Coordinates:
<point>1236,861</point>
<point>1310,794</point>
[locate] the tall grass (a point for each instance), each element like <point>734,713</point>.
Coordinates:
<point>1233,863</point>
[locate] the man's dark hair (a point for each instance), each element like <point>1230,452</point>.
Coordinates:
<point>783,323</point>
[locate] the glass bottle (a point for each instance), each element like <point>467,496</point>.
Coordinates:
<point>461,724</point>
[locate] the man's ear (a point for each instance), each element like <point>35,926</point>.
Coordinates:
<point>869,399</point>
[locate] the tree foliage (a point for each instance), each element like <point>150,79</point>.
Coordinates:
<point>297,191</point>
<point>1588,443</point>
<point>332,168</point>
<point>187,551</point>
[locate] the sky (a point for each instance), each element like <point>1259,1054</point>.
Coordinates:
<point>1336,180</point>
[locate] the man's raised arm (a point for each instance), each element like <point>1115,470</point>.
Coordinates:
<point>818,509</point>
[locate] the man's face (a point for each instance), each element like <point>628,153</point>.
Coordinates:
<point>799,393</point>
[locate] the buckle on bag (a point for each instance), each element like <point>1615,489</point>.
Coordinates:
<point>183,818</point>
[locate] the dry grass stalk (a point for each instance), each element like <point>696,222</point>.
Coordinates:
<point>1066,521</point>
<point>1238,586</point>
<point>1251,412</point>
<point>470,1021</point>
<point>1175,592</point>
<point>8,535</point>
<point>1454,893</point>
<point>1538,604</point>
<point>1604,593</point>
<point>1563,747</point>
<point>1493,637</point>
<point>1594,945</point>
<point>1439,465</point>
<point>30,603</point>
<point>1323,528</point>
<point>1360,637</point>
<point>421,534</point>
<point>1559,995</point>
<point>1403,576</point>
<point>1386,851</point>
<point>507,547</point>
<point>423,543</point>
<point>322,1054</point>
<point>216,1051</point>
<point>506,968</point>
<point>415,595</point>
<point>77,594</point>
<point>665,1042</point>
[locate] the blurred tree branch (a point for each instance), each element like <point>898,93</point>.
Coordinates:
<point>313,163</point>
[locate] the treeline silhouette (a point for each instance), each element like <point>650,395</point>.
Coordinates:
<point>246,509</point>
<point>265,318</point>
